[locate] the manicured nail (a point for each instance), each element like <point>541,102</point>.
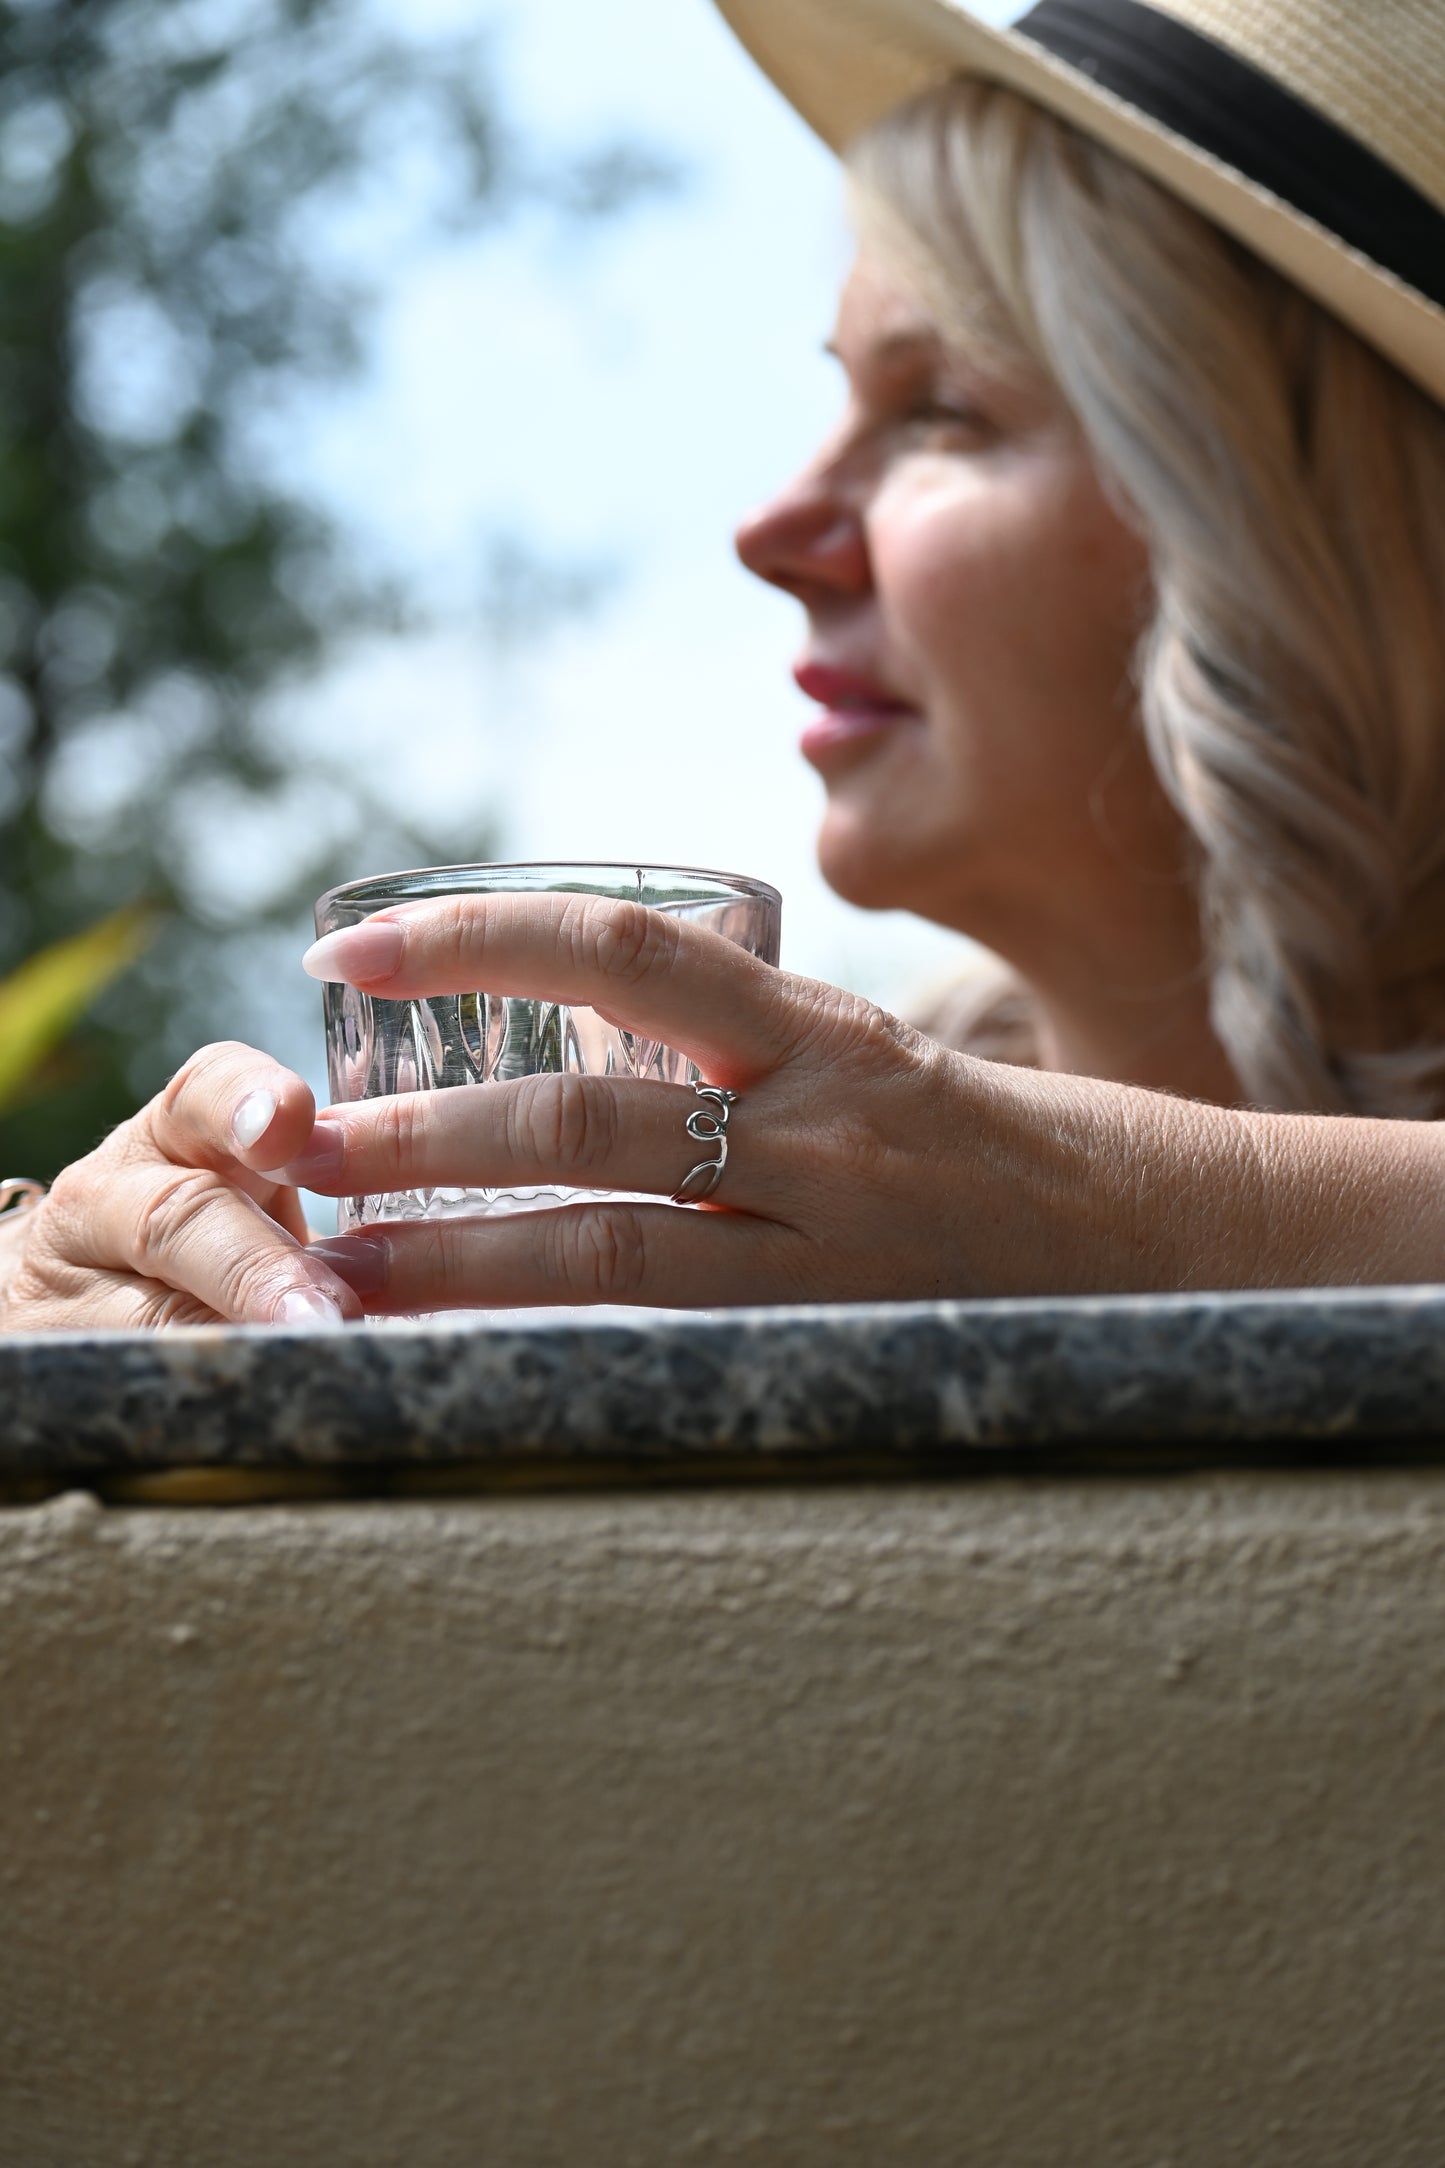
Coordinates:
<point>354,954</point>
<point>361,1260</point>
<point>252,1118</point>
<point>308,1306</point>
<point>317,1164</point>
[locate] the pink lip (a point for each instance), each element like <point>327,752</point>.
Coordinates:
<point>855,710</point>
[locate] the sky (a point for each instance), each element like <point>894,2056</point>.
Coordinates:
<point>619,400</point>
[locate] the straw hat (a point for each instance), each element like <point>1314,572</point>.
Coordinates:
<point>1313,130</point>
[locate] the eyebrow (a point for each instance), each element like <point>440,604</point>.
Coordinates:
<point>894,346</point>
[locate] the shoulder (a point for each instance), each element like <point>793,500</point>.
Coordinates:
<point>987,1012</point>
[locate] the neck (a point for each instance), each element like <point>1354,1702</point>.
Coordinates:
<point>1126,1001</point>
<point>1163,1044</point>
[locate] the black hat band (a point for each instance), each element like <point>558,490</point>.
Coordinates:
<point>1248,121</point>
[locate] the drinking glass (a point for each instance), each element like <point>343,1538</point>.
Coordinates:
<point>471,1040</point>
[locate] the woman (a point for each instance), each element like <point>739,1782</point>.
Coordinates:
<point>1145,351</point>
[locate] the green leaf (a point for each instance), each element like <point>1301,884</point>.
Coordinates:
<point>41,1001</point>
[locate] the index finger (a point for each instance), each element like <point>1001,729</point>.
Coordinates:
<point>657,975</point>
<point>229,1107</point>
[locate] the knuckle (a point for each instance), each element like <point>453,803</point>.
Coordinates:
<point>843,1023</point>
<point>160,1308</point>
<point>245,1276</point>
<point>598,1251</point>
<point>68,1193</point>
<point>574,1125</point>
<point>394,1136</point>
<point>62,1223</point>
<point>180,1201</point>
<point>32,1292</point>
<point>878,1032</point>
<point>623,940</point>
<point>452,935</point>
<point>438,1259</point>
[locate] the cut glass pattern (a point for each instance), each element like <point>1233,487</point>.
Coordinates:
<point>470,1041</point>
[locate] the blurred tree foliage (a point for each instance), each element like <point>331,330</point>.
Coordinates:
<point>172,177</point>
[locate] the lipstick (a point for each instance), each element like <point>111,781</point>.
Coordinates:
<point>855,710</point>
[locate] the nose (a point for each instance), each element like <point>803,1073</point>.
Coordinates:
<point>808,540</point>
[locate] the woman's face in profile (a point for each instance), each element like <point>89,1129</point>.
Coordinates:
<point>973,604</point>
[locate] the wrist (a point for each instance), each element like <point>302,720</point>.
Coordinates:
<point>1118,1190</point>
<point>1062,1206</point>
<point>1110,1189</point>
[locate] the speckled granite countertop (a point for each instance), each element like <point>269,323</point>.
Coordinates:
<point>908,1380</point>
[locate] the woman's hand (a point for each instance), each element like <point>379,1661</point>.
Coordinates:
<point>169,1222</point>
<point>864,1160</point>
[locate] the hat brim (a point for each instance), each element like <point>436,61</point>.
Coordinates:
<point>843,64</point>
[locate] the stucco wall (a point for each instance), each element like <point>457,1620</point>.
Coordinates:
<point>1061,1823</point>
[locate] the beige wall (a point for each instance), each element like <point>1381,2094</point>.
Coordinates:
<point>1057,1824</point>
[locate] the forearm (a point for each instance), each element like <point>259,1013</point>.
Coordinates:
<point>1112,1189</point>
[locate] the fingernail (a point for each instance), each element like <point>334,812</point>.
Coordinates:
<point>352,954</point>
<point>317,1163</point>
<point>252,1118</point>
<point>360,1260</point>
<point>307,1306</point>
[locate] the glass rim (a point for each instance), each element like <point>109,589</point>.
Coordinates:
<point>742,885</point>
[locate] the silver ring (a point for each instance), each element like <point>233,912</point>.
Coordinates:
<point>707,1125</point>
<point>19,1194</point>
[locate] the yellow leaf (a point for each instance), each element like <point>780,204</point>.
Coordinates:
<point>50,991</point>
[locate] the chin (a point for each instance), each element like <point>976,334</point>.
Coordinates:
<point>864,873</point>
<point>902,871</point>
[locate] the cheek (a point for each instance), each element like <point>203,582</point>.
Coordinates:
<point>943,561</point>
<point>1008,579</point>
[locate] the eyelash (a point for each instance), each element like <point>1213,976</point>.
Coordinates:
<point>936,412</point>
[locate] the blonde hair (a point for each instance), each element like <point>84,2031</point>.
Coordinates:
<point>1291,486</point>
